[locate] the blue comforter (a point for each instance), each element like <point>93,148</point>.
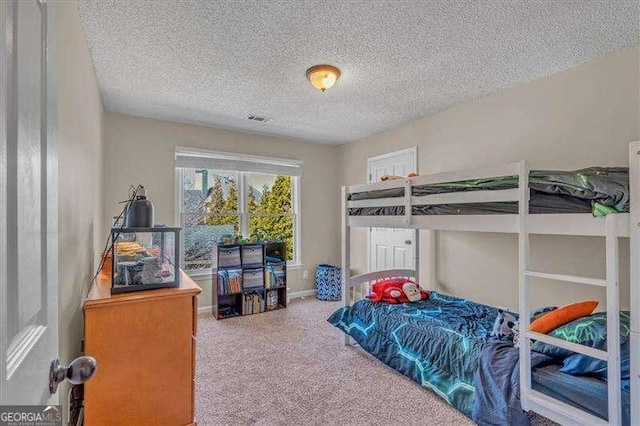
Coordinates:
<point>444,344</point>
<point>498,379</point>
<point>436,342</point>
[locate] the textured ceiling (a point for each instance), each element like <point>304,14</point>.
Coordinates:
<point>215,63</point>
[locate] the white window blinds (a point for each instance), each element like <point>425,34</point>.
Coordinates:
<point>204,159</point>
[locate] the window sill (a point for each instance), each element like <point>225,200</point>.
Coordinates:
<point>294,266</point>
<point>199,275</point>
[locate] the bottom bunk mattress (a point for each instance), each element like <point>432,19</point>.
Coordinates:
<point>587,393</point>
<point>437,342</point>
<point>497,380</point>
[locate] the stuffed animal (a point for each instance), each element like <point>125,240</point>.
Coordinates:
<point>412,292</point>
<point>503,327</point>
<point>516,335</point>
<point>397,290</point>
<point>385,178</point>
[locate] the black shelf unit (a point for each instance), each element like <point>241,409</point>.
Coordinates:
<point>260,263</point>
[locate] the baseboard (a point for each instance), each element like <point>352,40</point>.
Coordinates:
<point>301,294</point>
<point>205,309</point>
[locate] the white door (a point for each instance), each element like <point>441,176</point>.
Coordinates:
<point>28,208</point>
<point>391,248</point>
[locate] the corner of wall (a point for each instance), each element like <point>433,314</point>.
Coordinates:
<point>80,137</point>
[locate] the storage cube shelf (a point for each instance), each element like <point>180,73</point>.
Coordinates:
<point>249,278</point>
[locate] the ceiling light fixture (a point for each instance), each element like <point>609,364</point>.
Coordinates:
<point>323,77</point>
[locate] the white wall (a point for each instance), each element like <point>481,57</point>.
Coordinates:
<point>141,150</point>
<point>79,128</point>
<point>580,117</point>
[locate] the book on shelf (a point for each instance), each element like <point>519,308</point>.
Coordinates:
<point>269,277</point>
<point>274,276</point>
<point>253,303</point>
<point>229,281</point>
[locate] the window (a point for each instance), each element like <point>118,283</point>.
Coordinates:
<point>226,194</point>
<point>269,203</point>
<point>222,204</point>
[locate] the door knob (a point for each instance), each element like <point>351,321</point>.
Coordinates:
<point>407,242</point>
<point>79,371</point>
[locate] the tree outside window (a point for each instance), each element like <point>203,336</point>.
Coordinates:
<point>269,203</point>
<point>213,206</point>
<point>223,203</point>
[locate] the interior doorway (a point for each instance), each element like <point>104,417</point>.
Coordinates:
<point>391,248</point>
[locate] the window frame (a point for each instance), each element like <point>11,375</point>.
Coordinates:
<point>243,211</point>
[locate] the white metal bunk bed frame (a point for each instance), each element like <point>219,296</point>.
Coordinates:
<point>610,227</point>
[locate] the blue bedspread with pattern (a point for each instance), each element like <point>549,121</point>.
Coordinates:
<point>436,342</point>
<point>444,344</point>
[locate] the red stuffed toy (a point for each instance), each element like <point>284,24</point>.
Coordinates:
<point>397,290</point>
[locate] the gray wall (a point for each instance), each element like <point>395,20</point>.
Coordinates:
<point>80,115</point>
<point>580,117</point>
<point>141,150</point>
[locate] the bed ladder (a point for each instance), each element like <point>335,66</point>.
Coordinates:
<point>537,401</point>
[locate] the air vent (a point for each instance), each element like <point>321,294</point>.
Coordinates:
<point>259,119</point>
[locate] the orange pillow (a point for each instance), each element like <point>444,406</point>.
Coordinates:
<point>563,315</point>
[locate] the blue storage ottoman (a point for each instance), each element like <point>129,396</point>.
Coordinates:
<point>328,283</point>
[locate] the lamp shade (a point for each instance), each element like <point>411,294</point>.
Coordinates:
<point>323,77</point>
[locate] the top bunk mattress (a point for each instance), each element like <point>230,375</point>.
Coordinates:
<point>596,190</point>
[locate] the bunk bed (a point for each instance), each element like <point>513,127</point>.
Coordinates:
<point>442,342</point>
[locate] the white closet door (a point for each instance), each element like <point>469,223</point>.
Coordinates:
<point>391,248</point>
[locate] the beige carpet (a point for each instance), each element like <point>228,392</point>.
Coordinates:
<point>289,368</point>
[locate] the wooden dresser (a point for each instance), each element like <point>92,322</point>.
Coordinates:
<point>144,343</point>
